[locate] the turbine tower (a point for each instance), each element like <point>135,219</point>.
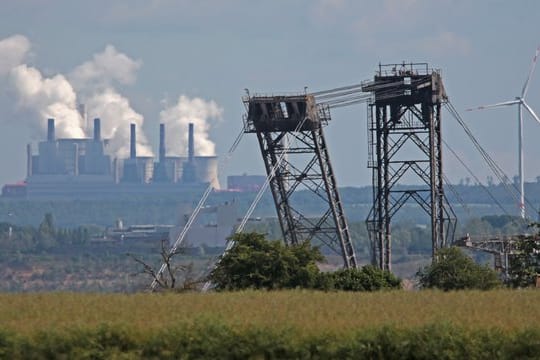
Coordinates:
<point>520,102</point>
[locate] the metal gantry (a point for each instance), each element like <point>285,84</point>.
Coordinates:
<point>405,143</point>
<point>289,130</point>
<point>502,247</point>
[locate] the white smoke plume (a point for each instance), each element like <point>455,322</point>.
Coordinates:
<point>13,52</point>
<point>176,119</point>
<point>52,97</point>
<point>117,115</point>
<point>49,98</point>
<point>44,97</point>
<point>104,69</point>
<point>94,81</point>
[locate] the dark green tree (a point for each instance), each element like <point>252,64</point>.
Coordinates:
<point>254,262</point>
<point>46,236</point>
<point>367,278</point>
<point>525,261</point>
<point>454,270</point>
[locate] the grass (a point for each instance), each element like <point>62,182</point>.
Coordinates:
<point>501,324</point>
<point>310,312</point>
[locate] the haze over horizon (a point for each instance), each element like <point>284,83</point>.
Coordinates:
<point>180,61</point>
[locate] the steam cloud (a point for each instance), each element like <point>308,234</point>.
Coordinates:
<point>177,117</point>
<point>94,80</point>
<point>50,98</point>
<point>13,51</point>
<point>91,83</point>
<point>104,69</point>
<point>45,97</point>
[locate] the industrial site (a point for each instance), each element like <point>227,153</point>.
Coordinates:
<point>83,168</point>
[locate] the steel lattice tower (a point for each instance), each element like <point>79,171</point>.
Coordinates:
<point>290,134</point>
<point>404,136</point>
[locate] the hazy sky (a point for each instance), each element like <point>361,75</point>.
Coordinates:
<point>213,49</point>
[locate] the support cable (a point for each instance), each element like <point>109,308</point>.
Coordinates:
<point>495,168</point>
<point>193,216</point>
<point>475,178</point>
<point>230,243</point>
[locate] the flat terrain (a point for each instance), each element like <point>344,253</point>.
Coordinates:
<point>311,312</point>
<point>491,325</point>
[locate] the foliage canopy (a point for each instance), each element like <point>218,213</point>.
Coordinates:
<point>525,262</point>
<point>254,262</point>
<point>454,270</point>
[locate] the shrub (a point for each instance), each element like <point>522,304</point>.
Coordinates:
<point>367,278</point>
<point>453,270</point>
<point>254,262</point>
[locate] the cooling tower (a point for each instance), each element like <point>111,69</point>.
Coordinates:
<point>206,169</point>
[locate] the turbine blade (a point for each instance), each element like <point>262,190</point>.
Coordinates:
<point>531,111</point>
<point>531,71</point>
<point>504,103</point>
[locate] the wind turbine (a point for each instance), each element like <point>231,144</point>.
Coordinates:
<point>520,102</point>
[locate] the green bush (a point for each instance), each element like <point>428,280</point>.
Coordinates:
<point>367,278</point>
<point>454,270</point>
<point>254,262</point>
<point>525,260</point>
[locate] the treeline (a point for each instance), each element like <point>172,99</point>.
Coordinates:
<point>29,239</point>
<point>407,237</point>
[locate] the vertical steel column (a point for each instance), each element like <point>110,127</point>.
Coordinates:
<point>407,110</point>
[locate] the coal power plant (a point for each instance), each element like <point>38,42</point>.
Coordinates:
<point>69,168</point>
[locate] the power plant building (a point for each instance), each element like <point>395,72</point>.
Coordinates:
<point>80,168</point>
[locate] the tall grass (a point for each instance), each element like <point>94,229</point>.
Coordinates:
<point>311,312</point>
<point>498,324</point>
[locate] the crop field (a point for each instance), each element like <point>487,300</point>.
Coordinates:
<point>496,324</point>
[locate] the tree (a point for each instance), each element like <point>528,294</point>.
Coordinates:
<point>367,278</point>
<point>46,236</point>
<point>168,279</point>
<point>254,262</point>
<point>454,270</point>
<point>525,261</point>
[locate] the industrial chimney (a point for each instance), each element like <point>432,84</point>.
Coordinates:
<point>191,144</point>
<point>133,143</point>
<point>161,143</point>
<point>50,130</point>
<point>189,173</point>
<point>97,129</point>
<point>28,160</point>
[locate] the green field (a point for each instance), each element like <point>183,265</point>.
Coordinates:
<point>495,324</point>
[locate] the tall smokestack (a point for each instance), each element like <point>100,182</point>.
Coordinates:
<point>97,129</point>
<point>50,130</point>
<point>161,143</point>
<point>191,144</point>
<point>133,143</point>
<point>28,160</point>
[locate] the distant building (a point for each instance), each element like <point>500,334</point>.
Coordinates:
<point>211,228</point>
<point>14,190</point>
<point>245,182</point>
<point>72,168</point>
